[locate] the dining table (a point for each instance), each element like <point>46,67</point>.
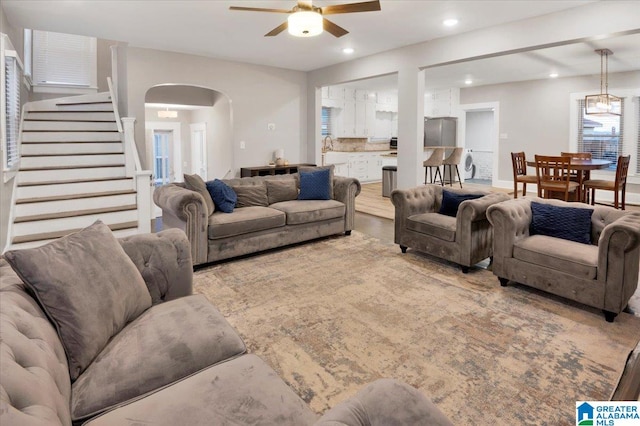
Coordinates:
<point>581,166</point>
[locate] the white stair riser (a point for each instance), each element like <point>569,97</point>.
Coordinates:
<point>59,206</point>
<point>72,148</point>
<point>71,160</point>
<point>118,234</point>
<point>73,188</point>
<point>71,116</point>
<point>57,126</point>
<point>70,136</point>
<point>67,223</point>
<point>70,174</point>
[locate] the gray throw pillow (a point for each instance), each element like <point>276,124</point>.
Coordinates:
<point>88,287</point>
<point>196,184</point>
<point>281,190</point>
<point>251,195</point>
<point>308,169</point>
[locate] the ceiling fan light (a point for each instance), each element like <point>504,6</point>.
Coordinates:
<point>305,23</point>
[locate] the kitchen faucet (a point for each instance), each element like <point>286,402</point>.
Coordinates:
<point>327,147</point>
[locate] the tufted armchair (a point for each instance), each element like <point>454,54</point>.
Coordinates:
<point>603,274</point>
<point>465,239</point>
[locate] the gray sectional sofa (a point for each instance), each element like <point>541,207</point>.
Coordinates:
<point>177,362</point>
<point>216,235</point>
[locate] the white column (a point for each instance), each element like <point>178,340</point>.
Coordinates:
<point>128,126</point>
<point>410,127</point>
<point>143,196</point>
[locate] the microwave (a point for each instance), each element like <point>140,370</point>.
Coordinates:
<point>393,143</point>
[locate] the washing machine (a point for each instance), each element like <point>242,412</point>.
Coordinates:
<point>469,169</point>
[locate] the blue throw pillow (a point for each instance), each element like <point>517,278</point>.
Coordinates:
<point>568,223</point>
<point>223,196</point>
<point>315,185</point>
<point>451,201</point>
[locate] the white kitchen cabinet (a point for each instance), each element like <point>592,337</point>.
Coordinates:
<point>374,167</point>
<point>387,102</point>
<point>442,102</point>
<point>365,119</point>
<point>341,169</point>
<point>347,120</point>
<point>332,97</point>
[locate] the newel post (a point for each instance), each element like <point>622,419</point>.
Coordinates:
<point>128,127</point>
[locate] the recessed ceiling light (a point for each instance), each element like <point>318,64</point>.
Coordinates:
<point>450,22</point>
<point>348,50</point>
<point>468,81</point>
<point>553,75</point>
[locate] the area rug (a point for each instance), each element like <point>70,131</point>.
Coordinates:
<point>333,315</point>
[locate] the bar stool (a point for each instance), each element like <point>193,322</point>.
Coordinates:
<point>452,161</point>
<point>435,160</point>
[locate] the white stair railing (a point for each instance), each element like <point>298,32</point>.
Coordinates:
<point>133,167</point>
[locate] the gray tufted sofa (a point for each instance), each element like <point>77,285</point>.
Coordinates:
<point>603,274</point>
<point>179,362</point>
<point>465,239</point>
<point>252,229</point>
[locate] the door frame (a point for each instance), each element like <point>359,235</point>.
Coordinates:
<point>176,144</point>
<point>495,140</point>
<point>196,127</point>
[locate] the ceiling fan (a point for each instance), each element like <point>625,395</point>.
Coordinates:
<point>307,20</point>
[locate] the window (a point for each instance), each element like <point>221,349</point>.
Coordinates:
<point>327,122</point>
<point>161,154</point>
<point>601,135</point>
<point>11,107</point>
<point>64,59</point>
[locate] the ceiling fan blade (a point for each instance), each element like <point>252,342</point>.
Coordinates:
<point>277,30</point>
<point>365,6</point>
<point>332,28</point>
<point>258,9</point>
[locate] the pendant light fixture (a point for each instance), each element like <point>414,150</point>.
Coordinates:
<point>167,114</point>
<point>603,103</point>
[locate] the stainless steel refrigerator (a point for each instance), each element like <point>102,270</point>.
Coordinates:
<point>440,131</point>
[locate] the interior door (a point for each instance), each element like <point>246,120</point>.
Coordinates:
<point>199,149</point>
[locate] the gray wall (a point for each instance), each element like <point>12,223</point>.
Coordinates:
<point>535,114</point>
<point>258,95</point>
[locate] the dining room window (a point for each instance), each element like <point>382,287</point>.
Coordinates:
<point>601,135</point>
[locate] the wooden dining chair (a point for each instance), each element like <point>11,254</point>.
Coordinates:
<point>452,161</point>
<point>580,175</point>
<point>519,163</point>
<point>620,184</point>
<point>554,177</point>
<point>435,160</point>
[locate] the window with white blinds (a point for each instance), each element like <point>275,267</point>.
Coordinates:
<point>64,59</point>
<point>601,135</point>
<point>327,121</point>
<point>12,82</point>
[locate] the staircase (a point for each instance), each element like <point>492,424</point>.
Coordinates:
<point>73,171</point>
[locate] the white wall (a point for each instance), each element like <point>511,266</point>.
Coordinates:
<point>258,95</point>
<point>534,115</point>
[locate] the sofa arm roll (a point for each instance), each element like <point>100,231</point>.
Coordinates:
<point>618,260</point>
<point>385,402</point>
<point>345,190</point>
<point>164,261</point>
<point>476,209</point>
<point>186,210</point>
<point>510,221</point>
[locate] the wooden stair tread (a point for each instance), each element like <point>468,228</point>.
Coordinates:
<point>89,141</point>
<point>58,234</point>
<point>74,196</point>
<point>75,213</point>
<point>62,182</point>
<point>84,103</point>
<point>82,166</point>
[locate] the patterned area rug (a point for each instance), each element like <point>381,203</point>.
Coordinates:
<point>333,315</point>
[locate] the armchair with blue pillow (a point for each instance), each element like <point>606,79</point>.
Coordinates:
<point>583,253</point>
<point>450,224</point>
